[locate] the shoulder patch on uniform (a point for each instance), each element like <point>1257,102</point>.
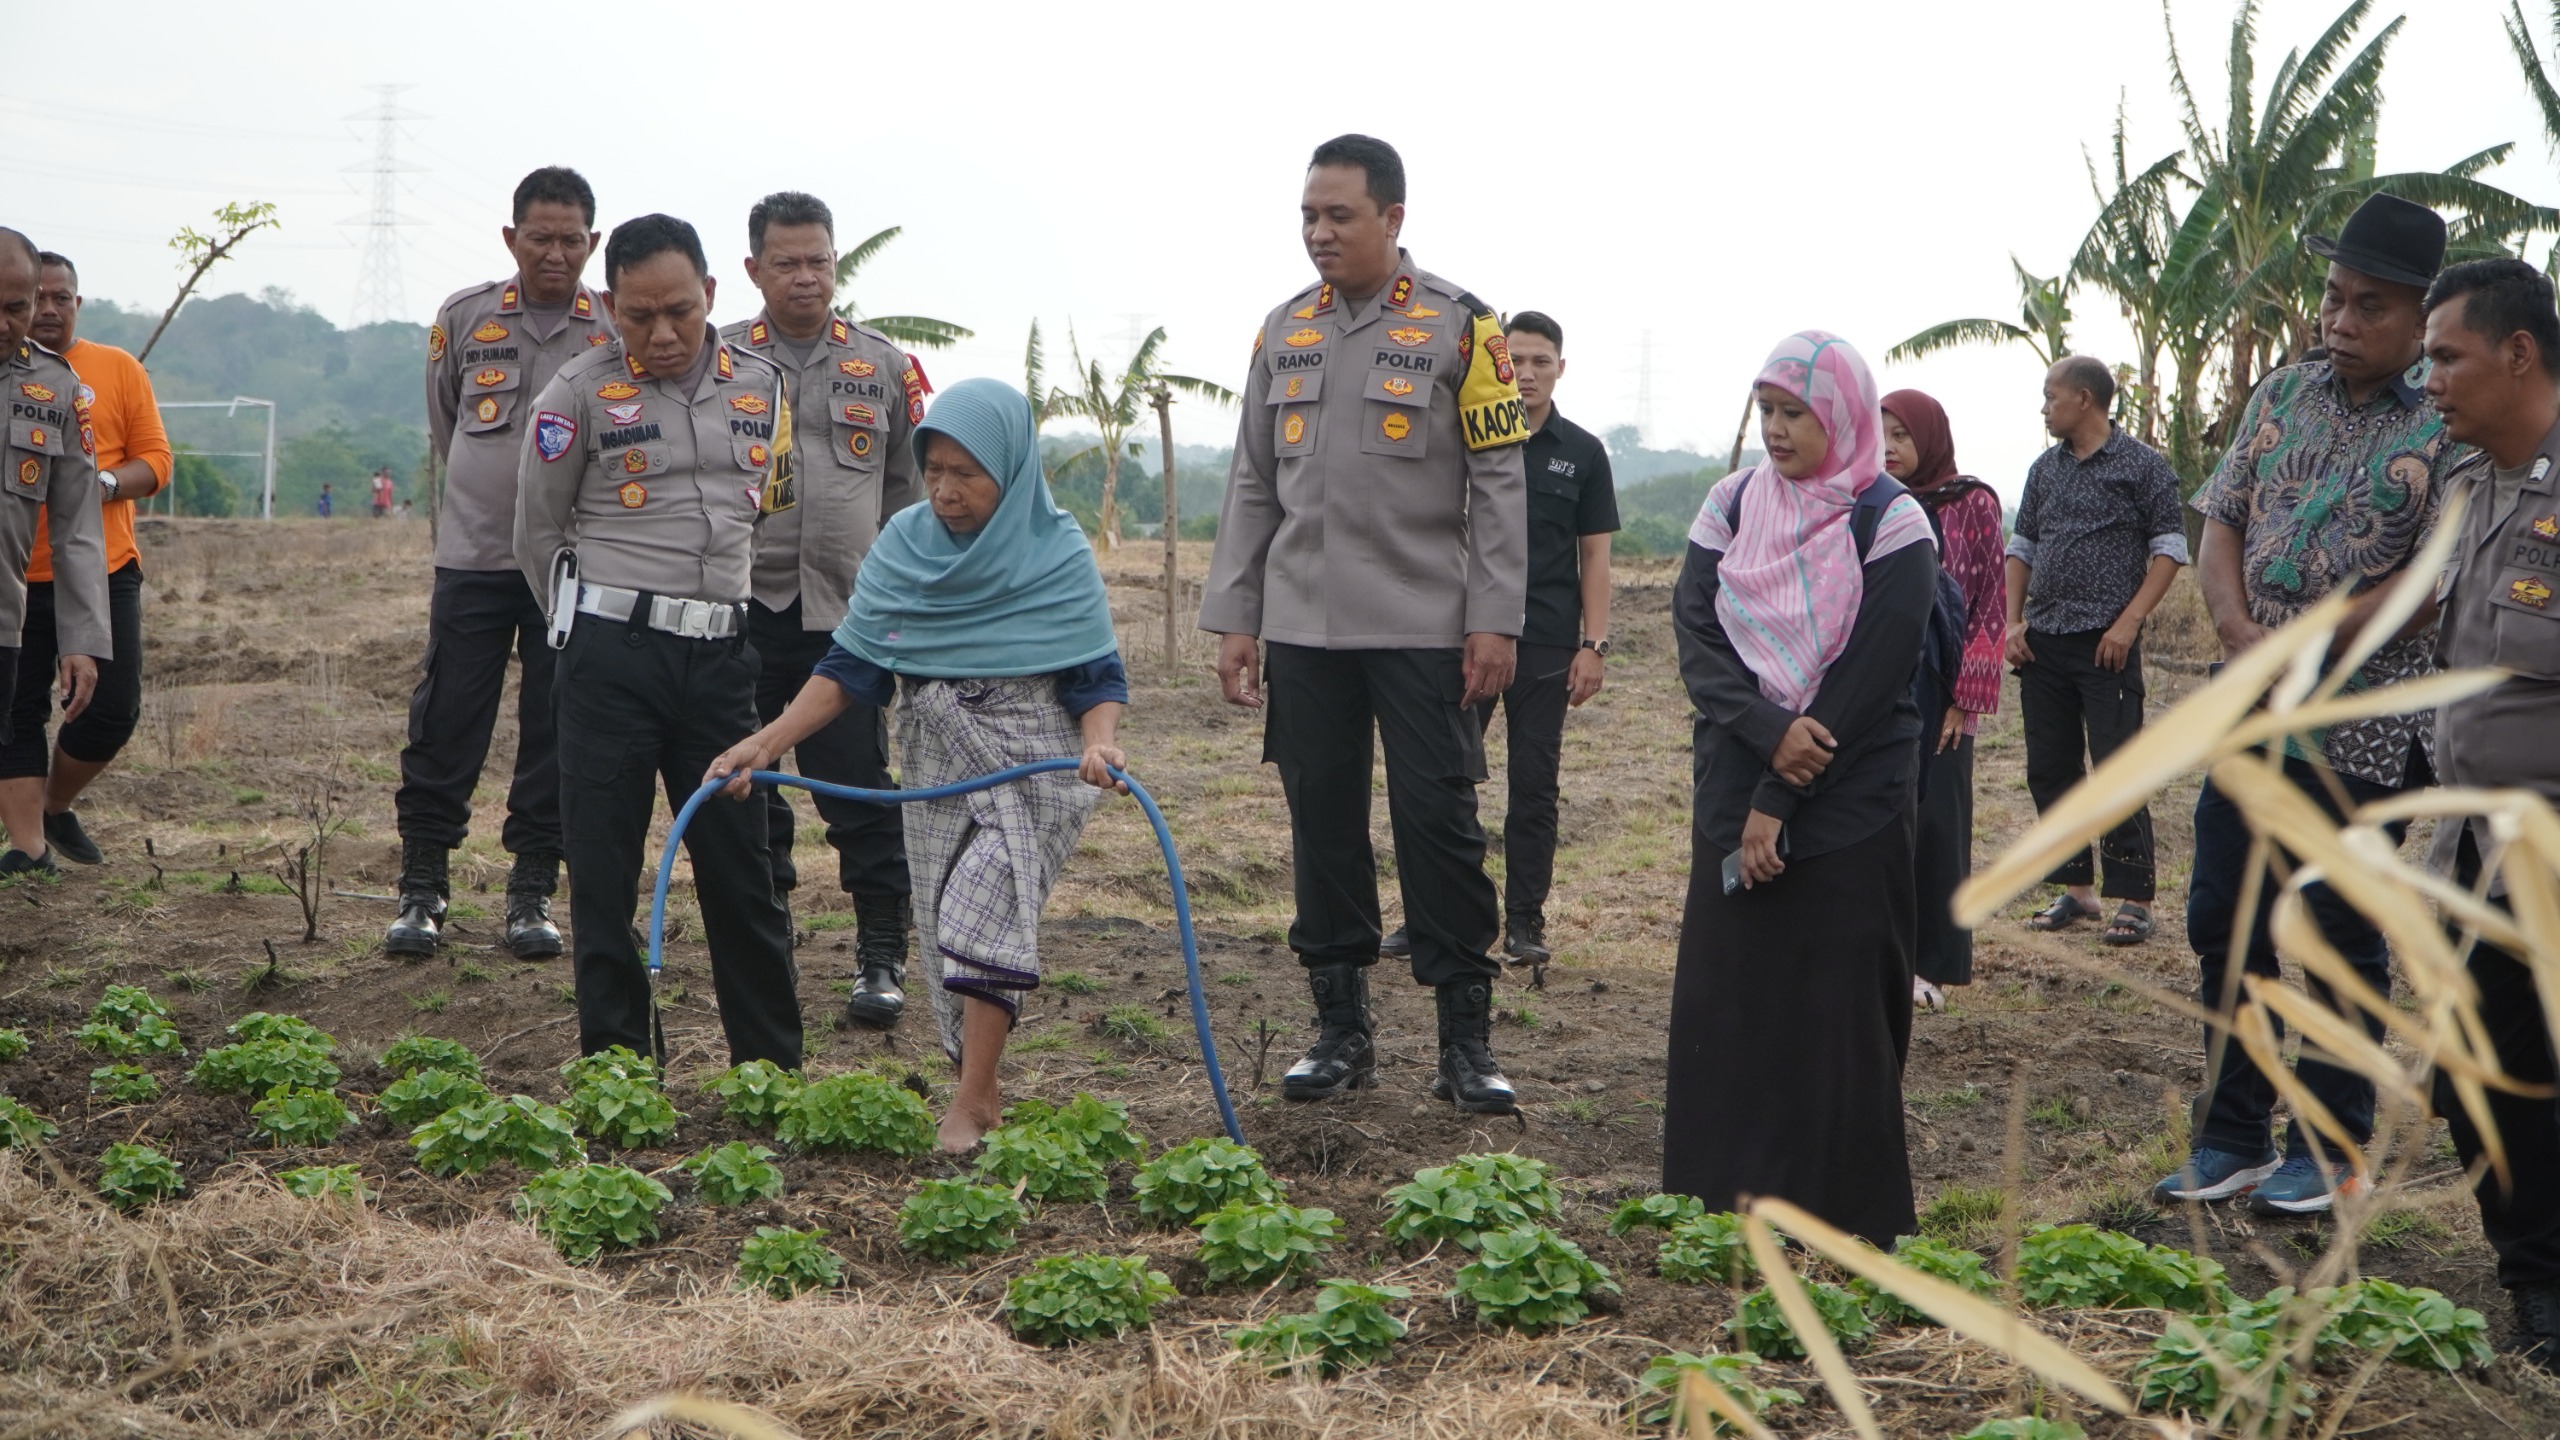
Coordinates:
<point>1489,409</point>
<point>435,343</point>
<point>918,387</point>
<point>553,433</point>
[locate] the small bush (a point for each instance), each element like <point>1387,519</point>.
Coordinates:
<point>613,1063</point>
<point>1131,1025</point>
<point>1759,1326</point>
<point>22,1126</point>
<point>2208,1368</point>
<point>734,1174</point>
<point>951,1220</point>
<point>1349,1327</point>
<point>2083,1267</point>
<point>1084,1297</point>
<point>860,1111</point>
<point>1470,1195</point>
<point>326,1182</point>
<point>295,1116</point>
<point>584,1210</point>
<point>431,1054</point>
<point>1198,1176</point>
<point>2414,1326</point>
<point>1255,1244</point>
<point>426,1094</point>
<point>132,1176</point>
<point>1708,1250</point>
<point>1658,1392</point>
<point>1961,1268</point>
<point>627,1114</point>
<point>125,1084</point>
<point>258,1025</point>
<point>149,1035</point>
<point>254,1067</point>
<point>1529,1278</point>
<point>13,1043</point>
<point>520,1130</point>
<point>1044,1161</point>
<point>1101,1126</point>
<point>756,1093</point>
<point>1660,1212</point>
<point>782,1263</point>
<point>126,1006</point>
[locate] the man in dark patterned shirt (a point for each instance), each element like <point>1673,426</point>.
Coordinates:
<point>2332,482</point>
<point>2097,541</point>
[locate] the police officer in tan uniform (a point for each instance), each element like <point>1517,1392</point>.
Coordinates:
<point>1375,538</point>
<point>46,454</point>
<point>2494,338</point>
<point>646,465</point>
<point>491,350</point>
<point>855,397</point>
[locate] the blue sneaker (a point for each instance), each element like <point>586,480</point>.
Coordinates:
<point>2213,1175</point>
<point>2303,1185</point>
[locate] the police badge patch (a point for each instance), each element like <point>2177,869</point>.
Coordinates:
<point>553,433</point>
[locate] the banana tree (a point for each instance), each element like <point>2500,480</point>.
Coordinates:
<point>916,330</point>
<point>2044,313</point>
<point>1113,406</point>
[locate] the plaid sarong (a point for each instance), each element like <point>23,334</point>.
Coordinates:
<point>983,864</point>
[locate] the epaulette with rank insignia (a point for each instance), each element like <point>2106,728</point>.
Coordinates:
<point>728,370</point>
<point>840,332</point>
<point>582,307</point>
<point>507,299</point>
<point>758,334</point>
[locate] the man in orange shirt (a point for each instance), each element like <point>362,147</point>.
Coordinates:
<point>37,790</point>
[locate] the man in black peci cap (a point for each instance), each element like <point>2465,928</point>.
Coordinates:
<point>2332,483</point>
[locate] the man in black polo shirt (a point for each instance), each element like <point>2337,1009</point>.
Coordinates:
<point>1573,509</point>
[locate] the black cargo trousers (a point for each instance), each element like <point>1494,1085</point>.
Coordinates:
<point>475,619</point>
<point>853,749</point>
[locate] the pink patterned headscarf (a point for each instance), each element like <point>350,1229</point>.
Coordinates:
<point>1790,581</point>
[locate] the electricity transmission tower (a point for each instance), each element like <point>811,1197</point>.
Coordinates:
<point>379,294</point>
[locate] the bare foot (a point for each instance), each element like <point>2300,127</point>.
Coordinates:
<point>964,1125</point>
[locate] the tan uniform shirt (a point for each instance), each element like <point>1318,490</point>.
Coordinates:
<point>1377,499</point>
<point>51,453</point>
<point>487,357</point>
<point>655,485</point>
<point>2500,596</point>
<point>854,404</point>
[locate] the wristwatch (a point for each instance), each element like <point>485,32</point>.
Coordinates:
<point>1597,647</point>
<point>114,486</point>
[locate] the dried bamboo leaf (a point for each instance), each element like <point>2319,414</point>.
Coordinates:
<point>2405,599</point>
<point>1815,1336</point>
<point>1971,1316</point>
<point>732,1420</point>
<point>2425,693</point>
<point>1702,1398</point>
<point>2298,938</point>
<point>2258,1036</point>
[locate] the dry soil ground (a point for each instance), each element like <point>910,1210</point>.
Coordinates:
<point>282,658</point>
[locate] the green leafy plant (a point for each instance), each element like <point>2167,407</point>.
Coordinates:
<point>149,1035</point>
<point>953,1219</point>
<point>326,1182</point>
<point>1044,1161</point>
<point>2025,1427</point>
<point>782,1263</point>
<point>1101,1126</point>
<point>126,1006</point>
<point>2415,1326</point>
<point>585,1209</point>
<point>293,1115</point>
<point>13,1043</point>
<point>1528,1278</point>
<point>1470,1195</point>
<point>2212,1368</point>
<point>2084,1267</point>
<point>1961,1268</point>
<point>1130,1025</point>
<point>132,1176</point>
<point>1084,1297</point>
<point>258,1025</point>
<point>1348,1327</point>
<point>616,1062</point>
<point>1707,1250</point>
<point>734,1174</point>
<point>860,1111</point>
<point>629,1114</point>
<point>125,1084</point>
<point>253,1067</point>
<point>1660,1212</point>
<point>22,1126</point>
<point>426,1054</point>
<point>1074,982</point>
<point>1255,1244</point>
<point>756,1093</point>
<point>1198,1176</point>
<point>520,1130</point>
<point>426,1094</point>
<point>1658,1390</point>
<point>1759,1326</point>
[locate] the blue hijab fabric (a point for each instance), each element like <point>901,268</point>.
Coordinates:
<point>1023,596</point>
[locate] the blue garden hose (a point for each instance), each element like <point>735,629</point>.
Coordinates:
<point>1146,802</point>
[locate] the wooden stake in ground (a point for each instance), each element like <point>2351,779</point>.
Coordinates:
<point>1162,399</point>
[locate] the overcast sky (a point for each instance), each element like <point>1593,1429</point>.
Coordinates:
<point>1705,178</point>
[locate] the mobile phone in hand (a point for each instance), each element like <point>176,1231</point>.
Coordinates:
<point>1733,872</point>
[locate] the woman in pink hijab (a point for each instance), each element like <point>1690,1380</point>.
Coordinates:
<point>1800,628</point>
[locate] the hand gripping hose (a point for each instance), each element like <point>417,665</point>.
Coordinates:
<point>1138,792</point>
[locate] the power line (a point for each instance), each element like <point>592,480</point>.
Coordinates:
<point>379,292</point>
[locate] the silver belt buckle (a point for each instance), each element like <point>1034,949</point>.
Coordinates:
<point>693,621</point>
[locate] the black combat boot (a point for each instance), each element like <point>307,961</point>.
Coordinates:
<point>530,933</point>
<point>424,886</point>
<point>1343,1057</point>
<point>1525,941</point>
<point>1467,1072</point>
<point>880,945</point>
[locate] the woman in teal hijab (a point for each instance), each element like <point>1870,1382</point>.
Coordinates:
<point>986,608</point>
